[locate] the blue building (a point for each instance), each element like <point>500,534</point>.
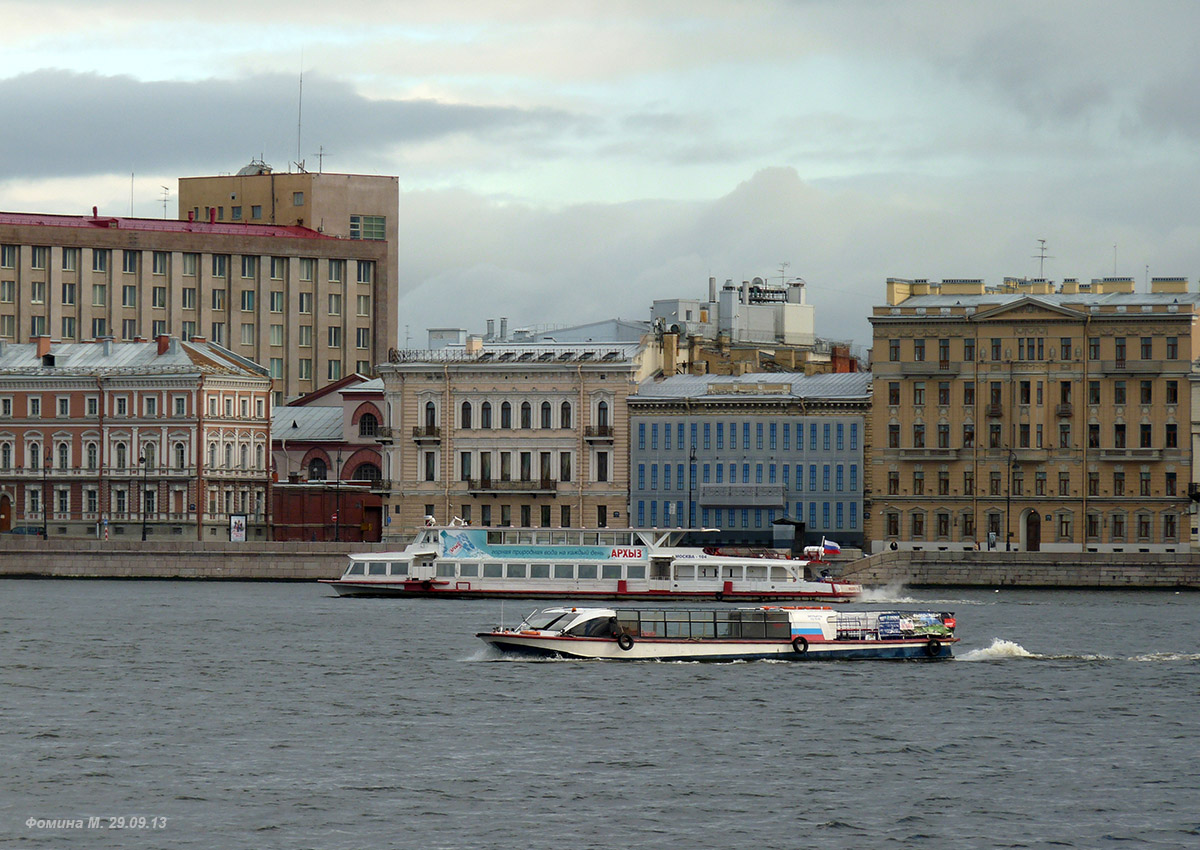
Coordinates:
<point>741,452</point>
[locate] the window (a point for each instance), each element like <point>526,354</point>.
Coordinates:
<point>335,304</point>
<point>1118,392</point>
<point>37,292</point>
<point>1172,436</point>
<point>247,333</point>
<point>276,367</point>
<point>1119,347</point>
<point>276,334</point>
<point>968,436</point>
<point>366,271</point>
<point>191,262</point>
<point>526,415</point>
<point>1119,436</point>
<point>943,393</point>
<point>1172,348</point>
<point>276,301</point>
<point>368,227</point>
<point>996,348</point>
<point>943,435</point>
<point>944,353</point>
<point>220,265</point>
<point>918,436</point>
<point>1144,432</point>
<point>158,262</point>
<point>918,392</point>
<point>307,268</point>
<point>247,300</point>
<point>39,256</point>
<point>100,259</point>
<point>1147,348</point>
<point>364,305</point>
<point>894,350</point>
<point>1118,483</point>
<point>128,329</point>
<point>298,201</point>
<point>305,369</point>
<point>969,393</point>
<point>893,436</point>
<point>99,327</point>
<point>218,333</point>
<point>547,415</point>
<point>255,211</point>
<point>893,393</point>
<point>188,298</point>
<point>70,259</point>
<point>335,337</point>
<point>129,262</point>
<point>99,295</point>
<point>334,371</point>
<point>1147,392</point>
<point>919,350</point>
<point>235,213</point>
<point>129,296</point>
<point>8,289</point>
<point>68,327</point>
<point>187,330</point>
<point>306,300</point>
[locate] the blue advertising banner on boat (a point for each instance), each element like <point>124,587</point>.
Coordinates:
<point>472,543</point>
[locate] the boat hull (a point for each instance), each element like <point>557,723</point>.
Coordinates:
<point>445,590</point>
<point>643,649</point>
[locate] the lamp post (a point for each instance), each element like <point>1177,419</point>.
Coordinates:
<point>1012,464</point>
<point>337,511</point>
<point>45,497</point>
<point>691,476</point>
<point>144,460</point>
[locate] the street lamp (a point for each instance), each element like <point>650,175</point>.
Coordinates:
<point>45,498</point>
<point>337,512</point>
<point>1012,464</point>
<point>691,477</point>
<point>144,460</point>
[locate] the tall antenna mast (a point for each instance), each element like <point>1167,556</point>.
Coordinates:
<point>300,108</point>
<point>1041,256</point>
<point>165,197</point>
<point>783,272</point>
<point>131,193</point>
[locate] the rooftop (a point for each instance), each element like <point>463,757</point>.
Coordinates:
<point>777,385</point>
<point>131,358</point>
<point>159,225</point>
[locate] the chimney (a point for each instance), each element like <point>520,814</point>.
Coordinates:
<point>106,344</point>
<point>745,292</point>
<point>212,215</point>
<point>95,212</point>
<point>191,215</point>
<point>164,343</point>
<point>503,328</point>
<point>491,328</point>
<point>712,290</point>
<point>474,344</point>
<point>43,346</point>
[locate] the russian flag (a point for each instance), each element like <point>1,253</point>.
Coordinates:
<point>830,547</point>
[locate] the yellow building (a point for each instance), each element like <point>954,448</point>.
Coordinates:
<point>1033,416</point>
<point>510,434</point>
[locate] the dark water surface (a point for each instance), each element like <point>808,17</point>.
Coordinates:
<point>276,715</point>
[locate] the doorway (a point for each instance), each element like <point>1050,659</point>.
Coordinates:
<point>1033,532</point>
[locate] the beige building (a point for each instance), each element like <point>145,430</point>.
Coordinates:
<point>298,302</point>
<point>348,206</point>
<point>161,440</point>
<point>1033,415</point>
<point>522,434</point>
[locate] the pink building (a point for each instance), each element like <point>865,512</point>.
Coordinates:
<point>163,440</point>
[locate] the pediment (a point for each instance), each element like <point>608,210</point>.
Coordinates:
<point>1028,309</point>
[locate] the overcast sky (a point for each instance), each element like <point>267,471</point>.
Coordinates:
<point>563,162</point>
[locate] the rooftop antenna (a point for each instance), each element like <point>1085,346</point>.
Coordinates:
<point>321,159</point>
<point>300,109</point>
<point>407,338</point>
<point>783,272</point>
<point>131,193</point>
<point>165,196</point>
<point>1041,256</point>
<point>1114,260</point>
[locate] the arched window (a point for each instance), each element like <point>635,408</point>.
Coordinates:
<point>212,455</point>
<point>316,469</point>
<point>122,455</point>
<point>506,415</point>
<point>258,457</point>
<point>93,455</point>
<point>466,414</point>
<point>229,455</point>
<point>245,456</point>
<point>368,425</point>
<point>546,414</point>
<point>485,415</point>
<point>151,456</point>
<point>526,415</point>
<point>64,454</point>
<point>602,414</point>
<point>564,415</point>
<point>6,456</point>
<point>366,472</point>
<point>430,415</point>
<point>180,456</point>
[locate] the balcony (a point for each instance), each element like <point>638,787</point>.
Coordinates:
<point>535,486</point>
<point>742,495</point>
<point>995,410</point>
<point>929,367</point>
<point>1130,454</point>
<point>928,453</point>
<point>384,434</point>
<point>1064,410</point>
<point>427,433</point>
<point>380,485</point>
<point>598,433</point>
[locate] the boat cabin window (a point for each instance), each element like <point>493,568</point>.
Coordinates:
<point>587,570</point>
<point>678,624</point>
<point>521,537</point>
<point>492,570</point>
<point>635,571</point>
<point>559,538</point>
<point>377,568</point>
<point>355,569</point>
<point>610,571</point>
<point>564,571</point>
<point>468,570</point>
<point>445,569</point>
<point>660,568</point>
<point>595,627</point>
<point>399,568</point>
<point>539,571</point>
<point>703,624</point>
<point>547,619</point>
<point>653,623</point>
<point>542,538</point>
<point>756,573</point>
<point>731,573</point>
<point>591,538</point>
<point>494,537</point>
<point>685,572</point>
<point>516,571</point>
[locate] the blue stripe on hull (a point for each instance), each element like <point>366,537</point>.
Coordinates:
<point>848,653</point>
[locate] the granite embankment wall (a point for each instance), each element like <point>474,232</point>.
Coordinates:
<point>73,558</point>
<point>1029,569</point>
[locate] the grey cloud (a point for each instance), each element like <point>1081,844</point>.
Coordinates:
<point>74,124</point>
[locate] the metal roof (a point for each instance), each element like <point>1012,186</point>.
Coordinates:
<point>306,423</point>
<point>76,358</point>
<point>1058,299</point>
<point>161,225</point>
<point>836,386</point>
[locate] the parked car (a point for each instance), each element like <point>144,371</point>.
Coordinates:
<point>25,529</point>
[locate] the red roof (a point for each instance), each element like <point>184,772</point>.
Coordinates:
<point>161,225</point>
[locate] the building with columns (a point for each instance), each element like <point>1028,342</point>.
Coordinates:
<point>1033,415</point>
<point>163,440</point>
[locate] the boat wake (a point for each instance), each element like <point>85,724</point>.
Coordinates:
<point>890,593</point>
<point>999,650</point>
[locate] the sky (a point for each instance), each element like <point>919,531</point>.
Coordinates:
<point>562,162</point>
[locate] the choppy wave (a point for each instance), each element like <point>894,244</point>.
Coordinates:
<point>893,594</point>
<point>999,650</point>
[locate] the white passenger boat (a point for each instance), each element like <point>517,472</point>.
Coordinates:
<point>728,634</point>
<point>619,564</point>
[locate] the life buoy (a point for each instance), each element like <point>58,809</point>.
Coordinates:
<point>625,641</point>
<point>719,596</point>
<point>800,645</point>
<point>933,649</point>
<point>427,585</point>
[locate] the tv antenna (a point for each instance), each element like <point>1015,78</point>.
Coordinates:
<point>783,267</point>
<point>320,155</point>
<point>166,194</point>
<point>1041,256</point>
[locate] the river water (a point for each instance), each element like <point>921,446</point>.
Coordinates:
<point>277,715</point>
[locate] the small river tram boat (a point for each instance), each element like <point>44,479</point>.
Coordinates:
<point>597,564</point>
<point>728,634</point>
